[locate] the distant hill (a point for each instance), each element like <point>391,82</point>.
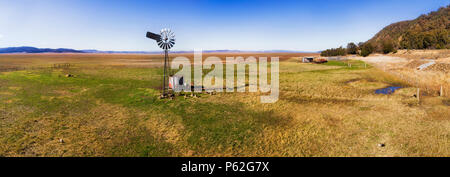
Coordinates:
<point>122,52</point>
<point>430,31</point>
<point>204,51</point>
<point>36,50</point>
<point>62,50</point>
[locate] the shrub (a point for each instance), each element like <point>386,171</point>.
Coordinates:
<point>388,47</point>
<point>367,49</point>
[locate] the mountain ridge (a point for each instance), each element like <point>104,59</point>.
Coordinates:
<point>28,49</point>
<point>428,31</point>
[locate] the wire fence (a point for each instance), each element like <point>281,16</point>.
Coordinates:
<point>429,83</point>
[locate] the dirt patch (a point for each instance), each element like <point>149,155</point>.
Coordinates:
<point>383,59</point>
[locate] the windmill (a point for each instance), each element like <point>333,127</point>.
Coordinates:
<point>165,40</point>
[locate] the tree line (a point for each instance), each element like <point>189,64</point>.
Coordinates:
<point>439,39</point>
<point>363,49</point>
<point>428,31</point>
<point>436,39</point>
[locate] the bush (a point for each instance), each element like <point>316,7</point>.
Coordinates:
<point>367,49</point>
<point>388,47</point>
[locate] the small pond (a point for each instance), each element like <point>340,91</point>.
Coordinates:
<point>387,90</point>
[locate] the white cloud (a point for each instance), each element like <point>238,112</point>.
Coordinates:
<point>1,36</point>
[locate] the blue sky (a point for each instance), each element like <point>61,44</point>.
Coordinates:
<point>200,24</point>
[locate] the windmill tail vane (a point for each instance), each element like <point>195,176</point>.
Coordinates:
<point>165,40</point>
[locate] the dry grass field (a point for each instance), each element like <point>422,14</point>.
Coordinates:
<point>111,108</point>
<point>404,63</point>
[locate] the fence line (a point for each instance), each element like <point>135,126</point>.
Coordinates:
<point>427,86</point>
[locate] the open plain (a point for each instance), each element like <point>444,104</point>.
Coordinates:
<point>109,106</point>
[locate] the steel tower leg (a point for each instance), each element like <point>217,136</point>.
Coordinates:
<point>165,68</point>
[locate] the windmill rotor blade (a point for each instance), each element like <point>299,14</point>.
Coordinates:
<point>154,36</point>
<point>165,39</point>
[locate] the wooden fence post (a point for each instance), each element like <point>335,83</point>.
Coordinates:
<point>418,94</point>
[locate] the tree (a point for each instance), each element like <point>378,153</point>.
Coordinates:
<point>388,47</point>
<point>429,31</point>
<point>360,44</point>
<point>352,48</point>
<point>367,49</point>
<point>334,52</point>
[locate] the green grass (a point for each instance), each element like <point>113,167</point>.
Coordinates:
<point>323,110</point>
